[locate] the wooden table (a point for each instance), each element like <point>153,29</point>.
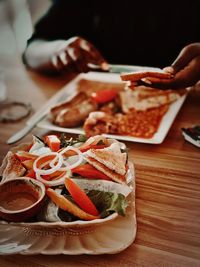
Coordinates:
<point>167,185</point>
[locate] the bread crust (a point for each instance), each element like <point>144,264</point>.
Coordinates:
<point>110,173</point>
<point>136,76</point>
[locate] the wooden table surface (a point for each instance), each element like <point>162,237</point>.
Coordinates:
<point>167,185</point>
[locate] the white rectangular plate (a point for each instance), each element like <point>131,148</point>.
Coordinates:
<point>70,89</point>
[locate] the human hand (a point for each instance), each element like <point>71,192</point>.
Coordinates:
<point>185,70</point>
<point>80,53</point>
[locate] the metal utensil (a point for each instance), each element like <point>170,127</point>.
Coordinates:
<point>23,132</point>
<point>116,68</point>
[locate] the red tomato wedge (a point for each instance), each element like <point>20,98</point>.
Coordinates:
<point>54,176</point>
<point>23,155</point>
<point>28,147</point>
<point>70,207</point>
<point>80,197</point>
<point>88,171</point>
<point>85,148</point>
<point>31,174</point>
<point>44,160</point>
<point>53,142</point>
<point>104,96</point>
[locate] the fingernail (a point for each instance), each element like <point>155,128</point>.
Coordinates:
<point>146,80</point>
<point>105,66</point>
<point>169,70</point>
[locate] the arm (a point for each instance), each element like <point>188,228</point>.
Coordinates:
<point>57,56</point>
<point>54,45</point>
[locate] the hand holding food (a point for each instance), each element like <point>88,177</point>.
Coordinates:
<point>185,70</point>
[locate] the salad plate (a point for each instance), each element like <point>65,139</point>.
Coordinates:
<point>108,233</point>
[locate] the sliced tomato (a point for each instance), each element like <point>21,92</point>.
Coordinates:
<point>53,142</point>
<point>68,206</point>
<point>44,160</point>
<point>91,146</point>
<point>31,174</point>
<point>23,155</point>
<point>28,164</point>
<point>80,197</point>
<point>54,176</point>
<point>104,96</point>
<point>88,171</point>
<point>28,147</point>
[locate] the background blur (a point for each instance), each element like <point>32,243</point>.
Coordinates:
<point>17,18</point>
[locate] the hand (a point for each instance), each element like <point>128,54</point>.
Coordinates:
<point>80,53</point>
<point>186,70</point>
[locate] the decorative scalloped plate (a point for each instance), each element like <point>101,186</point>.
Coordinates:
<point>109,238</point>
<point>103,236</point>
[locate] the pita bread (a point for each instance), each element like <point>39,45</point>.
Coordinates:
<point>110,173</point>
<point>11,167</point>
<point>143,98</point>
<point>110,160</point>
<point>111,157</point>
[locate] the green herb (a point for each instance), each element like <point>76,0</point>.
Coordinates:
<point>82,138</point>
<point>106,202</point>
<point>65,141</point>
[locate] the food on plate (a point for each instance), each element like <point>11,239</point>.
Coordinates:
<point>136,123</point>
<point>73,113</point>
<point>139,75</point>
<point>90,172</point>
<point>90,87</point>
<point>67,205</point>
<point>85,179</point>
<point>11,167</point>
<point>53,142</point>
<point>110,161</point>
<point>81,198</point>
<point>144,98</point>
<point>119,108</point>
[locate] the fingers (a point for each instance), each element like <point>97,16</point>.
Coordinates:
<point>186,55</point>
<point>61,60</point>
<point>92,55</point>
<point>188,76</point>
<point>79,53</point>
<point>78,57</point>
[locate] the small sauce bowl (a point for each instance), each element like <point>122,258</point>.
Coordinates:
<point>21,198</point>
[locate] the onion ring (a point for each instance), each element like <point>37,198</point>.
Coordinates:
<point>67,165</point>
<point>53,168</point>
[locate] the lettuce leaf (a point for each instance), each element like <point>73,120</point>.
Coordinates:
<point>108,202</point>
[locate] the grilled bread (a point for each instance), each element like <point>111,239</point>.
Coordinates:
<point>11,167</point>
<point>110,160</point>
<point>136,76</point>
